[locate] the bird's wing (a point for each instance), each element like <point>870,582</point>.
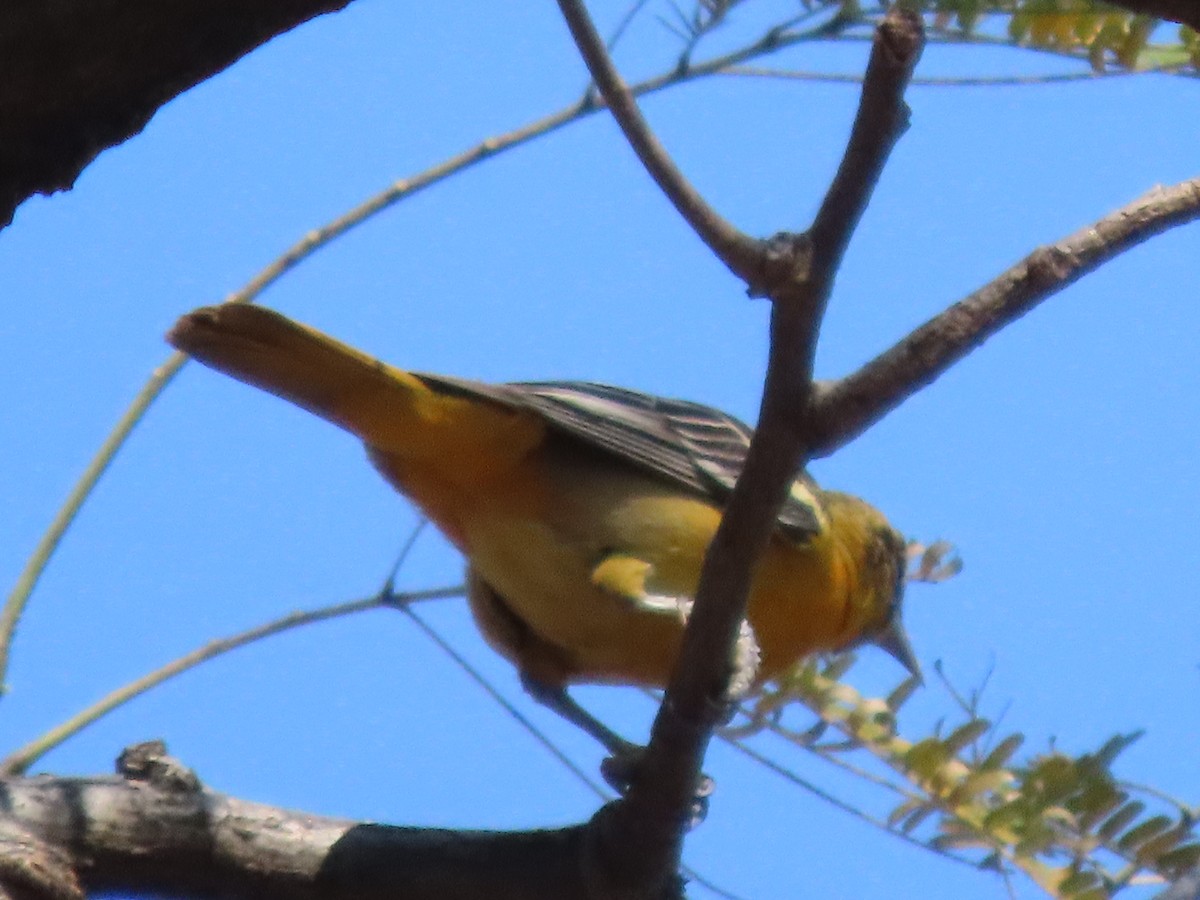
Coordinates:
<point>694,446</point>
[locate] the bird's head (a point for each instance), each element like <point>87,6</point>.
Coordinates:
<point>882,555</point>
<point>887,557</point>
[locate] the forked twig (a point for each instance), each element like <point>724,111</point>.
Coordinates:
<point>643,833</point>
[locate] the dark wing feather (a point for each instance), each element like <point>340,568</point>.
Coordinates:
<point>694,446</point>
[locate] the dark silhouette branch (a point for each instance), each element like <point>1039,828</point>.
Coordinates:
<point>846,408</point>
<point>1186,12</point>
<point>77,78</point>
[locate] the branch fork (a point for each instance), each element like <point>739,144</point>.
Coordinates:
<point>641,835</point>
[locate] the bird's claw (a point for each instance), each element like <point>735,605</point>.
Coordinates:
<point>620,771</point>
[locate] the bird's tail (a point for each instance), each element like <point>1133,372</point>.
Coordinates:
<point>368,398</point>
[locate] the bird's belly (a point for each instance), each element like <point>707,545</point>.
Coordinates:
<point>539,549</point>
<point>538,535</point>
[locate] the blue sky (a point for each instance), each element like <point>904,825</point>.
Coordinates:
<point>1060,458</point>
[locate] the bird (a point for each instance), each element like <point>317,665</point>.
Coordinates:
<point>583,511</point>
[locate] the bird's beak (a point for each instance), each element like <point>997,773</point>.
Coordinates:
<point>894,642</point>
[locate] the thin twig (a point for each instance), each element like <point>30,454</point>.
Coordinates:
<point>737,251</point>
<point>18,598</point>
<point>626,21</point>
<point>788,775</point>
<point>846,408</point>
<point>20,760</point>
<point>499,699</point>
<point>978,81</point>
<point>881,119</point>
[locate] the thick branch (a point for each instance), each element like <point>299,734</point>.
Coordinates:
<point>77,78</point>
<point>781,438</point>
<point>741,253</point>
<point>32,869</point>
<point>846,408</point>
<point>1186,12</point>
<point>641,835</point>
<point>156,830</point>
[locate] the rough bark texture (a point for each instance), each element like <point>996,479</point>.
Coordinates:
<point>76,78</point>
<point>158,831</point>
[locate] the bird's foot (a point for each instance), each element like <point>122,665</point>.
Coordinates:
<point>622,770</point>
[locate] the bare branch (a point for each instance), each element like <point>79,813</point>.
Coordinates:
<point>642,834</point>
<point>1186,12</point>
<point>155,829</point>
<point>846,408</point>
<point>950,82</point>
<point>736,250</point>
<point>882,117</point>
<point>32,868</point>
<point>81,77</point>
<point>21,759</point>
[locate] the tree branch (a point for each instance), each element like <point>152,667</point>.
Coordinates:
<point>154,828</point>
<point>881,119</point>
<point>638,839</point>
<point>846,408</point>
<point>739,252</point>
<point>1186,12</point>
<point>77,78</point>
<point>31,868</point>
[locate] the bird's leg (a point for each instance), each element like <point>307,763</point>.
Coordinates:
<point>556,697</point>
<point>619,769</point>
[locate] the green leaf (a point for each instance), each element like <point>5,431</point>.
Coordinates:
<point>1095,802</point>
<point>1007,816</point>
<point>1078,882</point>
<point>1114,747</point>
<point>926,758</point>
<point>1003,752</point>
<point>967,734</point>
<point>1118,820</point>
<point>1153,849</point>
<point>1179,860</point>
<point>1053,779</point>
<point>979,783</point>
<point>1152,827</point>
<point>1163,57</point>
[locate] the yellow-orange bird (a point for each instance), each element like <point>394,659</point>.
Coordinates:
<point>583,510</point>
